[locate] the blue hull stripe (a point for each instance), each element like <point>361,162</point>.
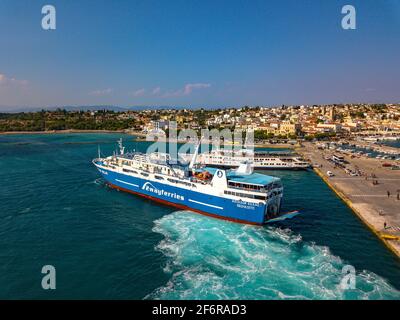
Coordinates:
<point>225,208</point>
<point>206,204</point>
<point>130,184</point>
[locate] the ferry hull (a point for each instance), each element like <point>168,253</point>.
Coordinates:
<point>186,199</point>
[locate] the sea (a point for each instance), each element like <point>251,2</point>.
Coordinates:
<point>391,143</point>
<point>105,244</point>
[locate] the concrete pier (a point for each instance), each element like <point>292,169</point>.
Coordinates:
<point>374,196</point>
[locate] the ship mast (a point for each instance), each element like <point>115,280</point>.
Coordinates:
<point>194,158</point>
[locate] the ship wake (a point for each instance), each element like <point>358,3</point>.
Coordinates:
<point>213,259</point>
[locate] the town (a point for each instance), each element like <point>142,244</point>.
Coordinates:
<point>268,123</point>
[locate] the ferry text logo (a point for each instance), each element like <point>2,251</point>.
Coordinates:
<point>161,192</point>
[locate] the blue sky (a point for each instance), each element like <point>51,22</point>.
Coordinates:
<point>198,53</point>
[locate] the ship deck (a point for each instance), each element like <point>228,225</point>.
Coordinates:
<point>254,178</point>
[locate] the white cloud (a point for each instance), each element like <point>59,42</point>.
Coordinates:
<point>156,91</point>
<point>191,86</point>
<point>139,93</point>
<point>102,92</point>
<point>187,89</point>
<point>5,81</point>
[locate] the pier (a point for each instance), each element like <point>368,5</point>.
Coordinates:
<point>373,195</point>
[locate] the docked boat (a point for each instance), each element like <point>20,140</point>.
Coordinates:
<point>260,160</point>
<point>238,195</point>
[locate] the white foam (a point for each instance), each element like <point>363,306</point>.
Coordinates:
<point>212,259</point>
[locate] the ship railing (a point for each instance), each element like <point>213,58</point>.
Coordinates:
<point>261,190</point>
<point>204,182</point>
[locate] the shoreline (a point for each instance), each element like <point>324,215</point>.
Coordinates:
<point>135,134</point>
<point>394,249</point>
<point>5,133</point>
<point>367,211</point>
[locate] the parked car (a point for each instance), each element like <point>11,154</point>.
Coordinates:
<point>330,174</point>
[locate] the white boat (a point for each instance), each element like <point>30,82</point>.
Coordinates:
<point>259,160</point>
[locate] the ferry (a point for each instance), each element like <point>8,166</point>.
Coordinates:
<point>260,160</point>
<point>238,195</point>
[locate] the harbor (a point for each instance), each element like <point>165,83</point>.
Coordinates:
<point>172,254</point>
<point>372,192</point>
<point>226,151</point>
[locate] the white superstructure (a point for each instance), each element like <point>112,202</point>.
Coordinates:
<point>259,160</point>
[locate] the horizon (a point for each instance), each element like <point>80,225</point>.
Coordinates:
<point>193,54</point>
<point>156,108</point>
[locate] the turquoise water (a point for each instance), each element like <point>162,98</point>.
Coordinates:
<point>54,209</point>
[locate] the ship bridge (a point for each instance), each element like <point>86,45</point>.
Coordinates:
<point>255,181</point>
<point>254,178</point>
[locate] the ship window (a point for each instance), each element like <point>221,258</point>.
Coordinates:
<point>159,178</point>
<point>260,197</point>
<point>144,174</point>
<point>130,171</point>
<point>184,183</point>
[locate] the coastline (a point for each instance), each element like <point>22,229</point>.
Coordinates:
<point>363,211</point>
<point>395,248</point>
<point>138,134</point>
<point>60,132</point>
<point>365,207</point>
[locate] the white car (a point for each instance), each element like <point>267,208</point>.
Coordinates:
<point>330,174</point>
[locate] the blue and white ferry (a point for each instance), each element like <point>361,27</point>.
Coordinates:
<point>236,195</point>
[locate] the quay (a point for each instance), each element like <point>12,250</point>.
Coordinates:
<point>374,196</point>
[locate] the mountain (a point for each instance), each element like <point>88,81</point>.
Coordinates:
<point>15,109</point>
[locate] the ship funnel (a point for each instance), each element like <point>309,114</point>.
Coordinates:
<point>245,168</point>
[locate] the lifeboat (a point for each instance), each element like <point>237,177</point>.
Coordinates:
<point>204,175</point>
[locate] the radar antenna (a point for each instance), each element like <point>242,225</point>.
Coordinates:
<point>121,147</point>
